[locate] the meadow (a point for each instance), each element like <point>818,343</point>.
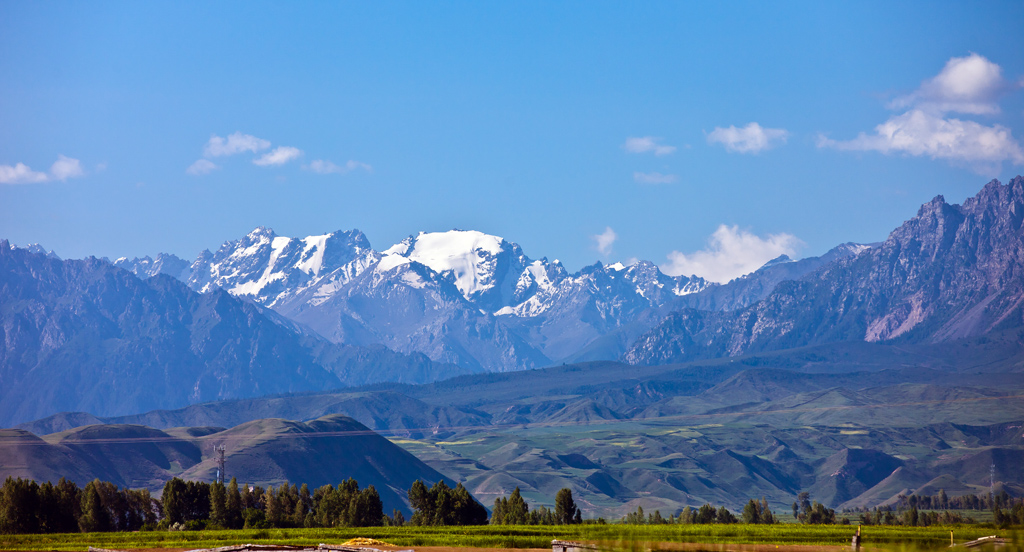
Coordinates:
<point>615,536</point>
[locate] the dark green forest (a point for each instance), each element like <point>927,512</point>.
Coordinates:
<point>64,507</point>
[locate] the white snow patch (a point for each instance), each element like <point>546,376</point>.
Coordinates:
<point>389,262</point>
<point>254,248</point>
<point>466,253</point>
<point>531,307</point>
<point>254,287</point>
<point>540,275</point>
<point>313,263</point>
<point>616,267</point>
<point>689,287</point>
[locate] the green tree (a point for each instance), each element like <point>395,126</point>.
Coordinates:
<point>752,512</point>
<point>272,507</point>
<point>565,507</point>
<point>517,511</point>
<point>173,501</point>
<point>366,509</point>
<point>218,505</point>
<point>706,514</point>
<point>233,506</point>
<point>498,511</point>
<point>442,505</point>
<point>19,506</point>
<point>725,516</point>
<point>95,517</point>
<point>766,513</point>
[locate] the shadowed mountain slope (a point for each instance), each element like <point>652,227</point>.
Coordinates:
<point>84,335</point>
<point>951,272</point>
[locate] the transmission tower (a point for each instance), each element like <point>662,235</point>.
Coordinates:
<point>219,450</point>
<point>992,480</point>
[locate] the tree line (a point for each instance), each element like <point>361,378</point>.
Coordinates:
<point>921,511</point>
<point>513,510</point>
<point>27,507</point>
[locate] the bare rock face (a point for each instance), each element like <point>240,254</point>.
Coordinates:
<point>952,271</point>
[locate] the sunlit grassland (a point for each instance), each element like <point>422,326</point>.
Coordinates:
<point>622,537</point>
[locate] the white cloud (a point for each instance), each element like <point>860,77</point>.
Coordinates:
<point>731,253</point>
<point>279,156</point>
<point>752,138</point>
<point>918,133</point>
<point>969,84</point>
<point>654,178</point>
<point>20,174</point>
<point>235,143</point>
<point>201,166</point>
<point>604,241</point>
<point>65,167</point>
<point>62,169</point>
<point>645,144</point>
<point>321,166</point>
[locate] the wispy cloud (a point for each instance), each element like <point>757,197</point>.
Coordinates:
<point>62,169</point>
<point>201,167</point>
<point>279,156</point>
<point>65,167</point>
<point>321,166</point>
<point>752,138</point>
<point>968,85</point>
<point>647,144</point>
<point>654,178</point>
<point>604,241</point>
<point>234,144</point>
<point>731,253</point>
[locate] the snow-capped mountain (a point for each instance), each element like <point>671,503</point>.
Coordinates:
<point>267,268</point>
<point>37,249</point>
<point>485,269</point>
<point>461,296</point>
<point>147,267</point>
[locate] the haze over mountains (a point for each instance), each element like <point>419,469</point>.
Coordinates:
<point>862,374</point>
<point>460,297</point>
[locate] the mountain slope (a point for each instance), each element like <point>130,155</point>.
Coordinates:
<point>86,336</point>
<point>950,272</point>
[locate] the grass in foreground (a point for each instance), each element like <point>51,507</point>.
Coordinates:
<point>624,537</point>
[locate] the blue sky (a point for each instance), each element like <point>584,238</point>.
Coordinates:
<point>701,136</point>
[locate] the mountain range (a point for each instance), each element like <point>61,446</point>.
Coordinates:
<point>952,271</point>
<point>270,314</point>
<point>460,297</point>
<point>871,371</point>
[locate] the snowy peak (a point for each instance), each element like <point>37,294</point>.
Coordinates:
<point>486,269</point>
<point>267,267</point>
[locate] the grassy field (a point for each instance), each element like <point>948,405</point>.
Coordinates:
<point>622,537</point>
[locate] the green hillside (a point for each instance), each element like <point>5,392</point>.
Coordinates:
<point>264,452</point>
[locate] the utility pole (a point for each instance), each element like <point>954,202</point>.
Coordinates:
<point>219,450</point>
